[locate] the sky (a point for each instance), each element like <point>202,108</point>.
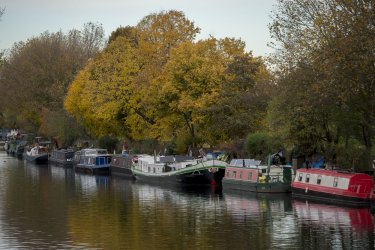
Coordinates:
<point>242,19</point>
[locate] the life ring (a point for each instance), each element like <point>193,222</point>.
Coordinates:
<point>213,170</point>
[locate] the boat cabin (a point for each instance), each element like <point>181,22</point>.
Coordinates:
<point>251,170</point>
<point>331,179</point>
<point>37,150</point>
<point>161,164</point>
<point>62,155</point>
<point>94,151</point>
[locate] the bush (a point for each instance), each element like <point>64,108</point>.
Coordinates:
<point>261,144</point>
<point>108,142</point>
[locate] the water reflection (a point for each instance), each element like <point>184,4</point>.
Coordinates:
<point>54,207</point>
<point>32,211</point>
<point>335,226</point>
<point>333,216</point>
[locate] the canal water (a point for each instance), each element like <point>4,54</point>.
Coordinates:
<point>45,206</point>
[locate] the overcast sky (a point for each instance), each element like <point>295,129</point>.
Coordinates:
<point>243,19</point>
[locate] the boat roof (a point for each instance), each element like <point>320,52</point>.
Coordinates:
<point>244,163</point>
<point>94,151</point>
<point>328,172</point>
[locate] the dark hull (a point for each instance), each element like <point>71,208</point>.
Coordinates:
<point>59,162</point>
<point>62,157</point>
<point>274,187</point>
<point>121,171</point>
<point>330,198</point>
<point>37,159</point>
<point>91,170</point>
<point>203,177</point>
<point>121,166</point>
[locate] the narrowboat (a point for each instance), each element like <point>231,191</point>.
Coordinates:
<point>334,186</point>
<point>20,148</point>
<point>62,156</point>
<point>94,160</point>
<point>121,164</point>
<point>178,170</point>
<point>249,175</point>
<point>37,154</point>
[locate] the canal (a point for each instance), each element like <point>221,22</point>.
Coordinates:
<point>54,207</point>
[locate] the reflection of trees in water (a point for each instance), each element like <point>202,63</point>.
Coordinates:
<point>259,220</point>
<point>53,206</point>
<point>142,216</point>
<point>34,207</point>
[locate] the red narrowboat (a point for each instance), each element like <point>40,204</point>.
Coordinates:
<point>341,187</point>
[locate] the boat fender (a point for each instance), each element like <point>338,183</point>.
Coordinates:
<point>306,190</point>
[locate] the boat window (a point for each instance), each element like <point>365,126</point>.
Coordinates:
<point>264,170</point>
<point>307,178</point>
<point>335,181</point>
<point>227,173</point>
<point>300,177</point>
<point>241,175</point>
<point>250,177</point>
<point>234,174</point>
<point>319,180</point>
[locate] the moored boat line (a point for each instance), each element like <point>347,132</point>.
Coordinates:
<point>245,175</point>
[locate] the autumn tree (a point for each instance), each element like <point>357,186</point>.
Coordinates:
<point>209,88</point>
<point>36,75</point>
<point>336,39</point>
<point>122,74</point>
<point>153,81</point>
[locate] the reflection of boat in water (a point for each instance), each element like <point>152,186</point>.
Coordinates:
<point>91,183</point>
<point>178,198</point>
<point>178,170</point>
<point>333,216</point>
<point>269,212</point>
<point>241,204</point>
<point>338,187</point>
<point>249,175</point>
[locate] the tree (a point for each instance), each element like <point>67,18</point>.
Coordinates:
<point>119,78</point>
<point>36,74</point>
<point>100,93</point>
<point>336,38</point>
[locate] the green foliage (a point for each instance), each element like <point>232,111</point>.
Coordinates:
<point>350,152</point>
<point>261,144</point>
<point>108,142</point>
<point>325,56</point>
<point>62,127</point>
